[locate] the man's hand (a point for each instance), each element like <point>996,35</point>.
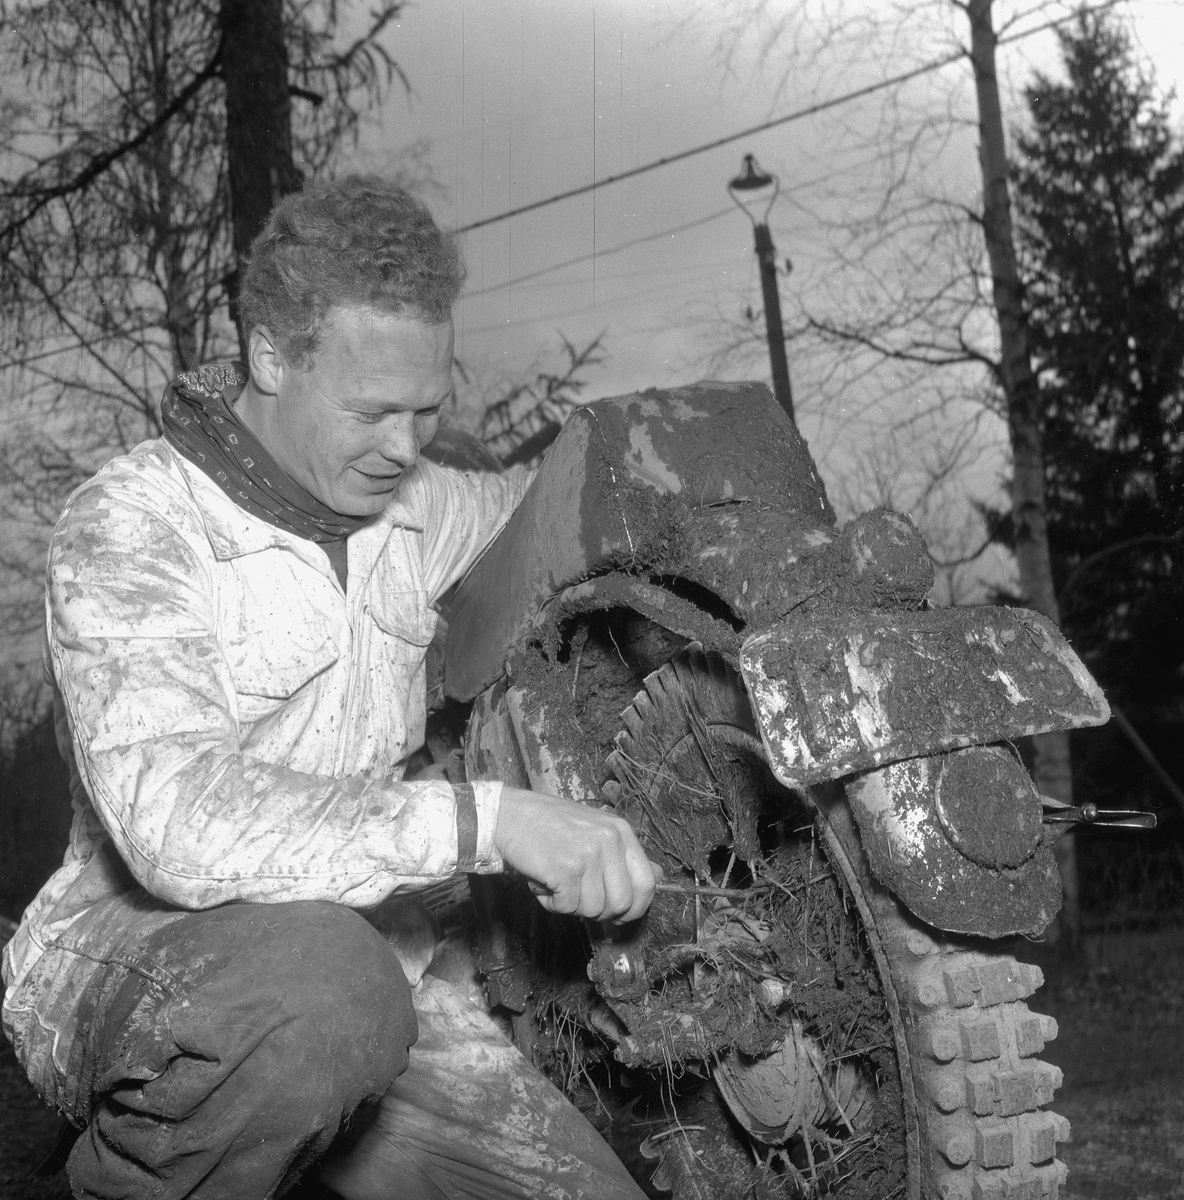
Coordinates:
<point>580,859</point>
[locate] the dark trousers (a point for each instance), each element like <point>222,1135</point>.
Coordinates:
<point>232,1065</point>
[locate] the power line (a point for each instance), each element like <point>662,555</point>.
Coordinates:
<point>571,262</point>
<point>801,185</point>
<point>821,106</point>
<point>666,271</point>
<point>633,299</point>
<point>799,114</point>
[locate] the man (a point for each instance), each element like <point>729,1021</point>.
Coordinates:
<point>237,619</point>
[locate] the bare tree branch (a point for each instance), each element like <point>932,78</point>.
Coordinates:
<point>44,194</point>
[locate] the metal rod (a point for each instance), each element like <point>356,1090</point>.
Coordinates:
<point>698,890</point>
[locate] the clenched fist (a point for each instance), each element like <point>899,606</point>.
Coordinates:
<point>579,859</point>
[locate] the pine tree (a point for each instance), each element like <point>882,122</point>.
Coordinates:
<point>1099,189</point>
<point>1100,196</point>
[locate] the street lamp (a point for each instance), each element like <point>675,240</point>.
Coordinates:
<point>752,182</point>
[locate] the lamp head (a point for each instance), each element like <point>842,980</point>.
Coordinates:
<point>751,177</point>
<point>748,188</point>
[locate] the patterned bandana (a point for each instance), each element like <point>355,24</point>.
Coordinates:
<point>200,423</point>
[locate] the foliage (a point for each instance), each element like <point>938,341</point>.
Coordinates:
<point>1099,187</point>
<point>35,813</point>
<point>1099,191</point>
<point>115,225</point>
<point>525,419</point>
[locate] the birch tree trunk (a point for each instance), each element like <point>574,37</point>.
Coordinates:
<point>1052,766</point>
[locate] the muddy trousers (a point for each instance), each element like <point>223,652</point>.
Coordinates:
<point>247,1038</point>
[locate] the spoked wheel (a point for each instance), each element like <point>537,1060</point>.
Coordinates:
<point>786,1027</point>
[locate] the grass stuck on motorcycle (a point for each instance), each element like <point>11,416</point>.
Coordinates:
<point>819,1001</point>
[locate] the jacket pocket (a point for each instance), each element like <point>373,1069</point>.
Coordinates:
<point>276,663</point>
<point>405,615</point>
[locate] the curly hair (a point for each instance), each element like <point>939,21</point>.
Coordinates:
<point>356,241</point>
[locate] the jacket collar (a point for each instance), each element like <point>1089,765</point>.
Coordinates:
<point>233,532</point>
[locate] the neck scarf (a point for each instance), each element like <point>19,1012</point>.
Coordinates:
<point>200,423</point>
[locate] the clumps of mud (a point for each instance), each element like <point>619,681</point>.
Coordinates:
<point>764,563</point>
<point>585,674</point>
<point>878,561</point>
<point>752,934</point>
<point>791,951</point>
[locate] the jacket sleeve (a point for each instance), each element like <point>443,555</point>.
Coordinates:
<point>152,711</point>
<point>463,511</point>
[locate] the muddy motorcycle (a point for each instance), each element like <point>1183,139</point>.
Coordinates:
<point>821,1000</point>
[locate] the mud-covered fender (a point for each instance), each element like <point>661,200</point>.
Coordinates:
<point>958,839</point>
<point>898,700</point>
<point>850,690</point>
<point>649,484</point>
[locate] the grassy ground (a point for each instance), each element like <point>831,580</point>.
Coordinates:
<point>1120,1006</point>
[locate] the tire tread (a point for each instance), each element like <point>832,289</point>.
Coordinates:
<point>985,1093</point>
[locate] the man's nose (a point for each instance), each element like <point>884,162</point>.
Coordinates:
<point>399,444</point>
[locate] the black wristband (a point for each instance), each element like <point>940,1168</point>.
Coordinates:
<point>466,826</point>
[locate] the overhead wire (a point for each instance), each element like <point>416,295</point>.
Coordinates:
<point>582,258</point>
<point>665,271</point>
<point>633,298</point>
<point>789,189</point>
<point>797,115</point>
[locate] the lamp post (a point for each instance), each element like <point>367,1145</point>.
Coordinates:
<point>751,181</point>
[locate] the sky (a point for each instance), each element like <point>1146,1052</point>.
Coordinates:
<point>520,101</point>
<point>513,103</point>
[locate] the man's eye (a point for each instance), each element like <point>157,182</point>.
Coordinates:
<point>428,412</point>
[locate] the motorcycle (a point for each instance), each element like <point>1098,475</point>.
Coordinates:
<point>821,999</point>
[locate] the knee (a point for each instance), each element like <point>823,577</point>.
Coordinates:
<point>279,1021</point>
<point>341,987</point>
<point>309,988</point>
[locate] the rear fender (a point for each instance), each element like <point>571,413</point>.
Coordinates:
<point>695,615</point>
<point>850,690</point>
<point>896,699</point>
<point>634,484</point>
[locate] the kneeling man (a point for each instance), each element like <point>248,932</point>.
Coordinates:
<point>238,615</point>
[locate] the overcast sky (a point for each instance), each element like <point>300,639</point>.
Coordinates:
<point>521,100</point>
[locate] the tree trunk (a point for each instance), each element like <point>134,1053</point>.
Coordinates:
<point>167,248</point>
<point>1052,766</point>
<point>258,122</point>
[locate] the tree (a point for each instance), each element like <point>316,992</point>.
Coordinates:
<point>525,416</point>
<point>1100,194</point>
<point>129,192</point>
<point>1052,766</point>
<point>259,156</point>
<point>928,278</point>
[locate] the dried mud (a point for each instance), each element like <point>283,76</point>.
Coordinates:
<point>710,1002</point>
<point>766,564</point>
<point>702,975</point>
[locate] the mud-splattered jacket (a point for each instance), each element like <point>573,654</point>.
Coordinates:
<point>236,722</point>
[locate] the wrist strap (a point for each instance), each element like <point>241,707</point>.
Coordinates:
<point>466,827</point>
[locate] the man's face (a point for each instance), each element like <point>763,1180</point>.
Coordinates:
<point>349,424</point>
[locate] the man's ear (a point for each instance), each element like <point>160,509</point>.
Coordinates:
<point>266,362</point>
